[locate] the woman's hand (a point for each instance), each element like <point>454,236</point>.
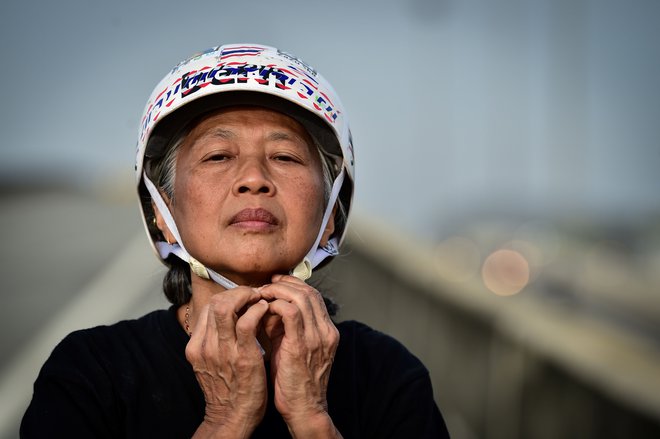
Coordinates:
<point>228,363</point>
<point>304,341</point>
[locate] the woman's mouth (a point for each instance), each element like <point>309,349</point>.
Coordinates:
<point>254,219</point>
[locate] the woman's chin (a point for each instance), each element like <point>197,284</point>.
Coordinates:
<point>252,268</point>
<point>253,277</point>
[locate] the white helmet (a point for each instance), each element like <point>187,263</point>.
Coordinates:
<point>244,74</point>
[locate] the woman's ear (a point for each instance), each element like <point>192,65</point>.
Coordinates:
<point>329,228</point>
<point>160,223</point>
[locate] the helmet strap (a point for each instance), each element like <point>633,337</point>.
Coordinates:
<point>165,249</point>
<point>317,254</point>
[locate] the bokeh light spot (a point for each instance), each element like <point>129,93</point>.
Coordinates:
<point>505,272</point>
<point>531,253</point>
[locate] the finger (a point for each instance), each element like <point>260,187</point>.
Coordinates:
<point>286,287</point>
<point>199,325</point>
<point>288,279</point>
<point>198,340</point>
<point>304,296</point>
<point>278,277</point>
<point>225,308</point>
<point>317,321</point>
<point>239,297</point>
<point>291,318</point>
<point>316,298</point>
<point>247,325</point>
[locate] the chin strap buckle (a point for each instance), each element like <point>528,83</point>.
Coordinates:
<point>303,271</point>
<point>199,269</point>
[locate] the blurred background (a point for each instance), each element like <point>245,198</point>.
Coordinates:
<point>508,211</point>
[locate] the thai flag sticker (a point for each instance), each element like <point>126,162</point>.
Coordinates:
<point>233,51</point>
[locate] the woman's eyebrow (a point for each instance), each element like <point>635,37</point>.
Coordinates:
<point>220,133</point>
<point>283,135</point>
<point>215,133</point>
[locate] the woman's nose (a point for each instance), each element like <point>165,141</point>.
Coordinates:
<point>253,178</point>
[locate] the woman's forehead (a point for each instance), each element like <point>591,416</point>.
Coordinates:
<point>234,122</point>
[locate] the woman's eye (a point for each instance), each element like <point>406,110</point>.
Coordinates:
<point>286,158</point>
<point>217,157</point>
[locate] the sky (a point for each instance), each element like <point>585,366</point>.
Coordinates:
<point>458,108</point>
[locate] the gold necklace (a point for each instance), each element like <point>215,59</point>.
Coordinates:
<point>186,322</point>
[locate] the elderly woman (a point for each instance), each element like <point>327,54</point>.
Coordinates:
<point>245,176</point>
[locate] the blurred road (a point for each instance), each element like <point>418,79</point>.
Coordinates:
<point>53,245</point>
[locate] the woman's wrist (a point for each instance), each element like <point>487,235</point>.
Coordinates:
<point>211,430</point>
<point>218,424</point>
<point>317,426</point>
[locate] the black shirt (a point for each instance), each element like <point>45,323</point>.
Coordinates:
<point>132,379</point>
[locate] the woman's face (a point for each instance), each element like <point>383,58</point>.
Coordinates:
<point>248,194</point>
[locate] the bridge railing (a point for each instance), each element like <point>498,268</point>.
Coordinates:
<point>522,366</point>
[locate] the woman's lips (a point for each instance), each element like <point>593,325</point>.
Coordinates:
<point>258,219</point>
